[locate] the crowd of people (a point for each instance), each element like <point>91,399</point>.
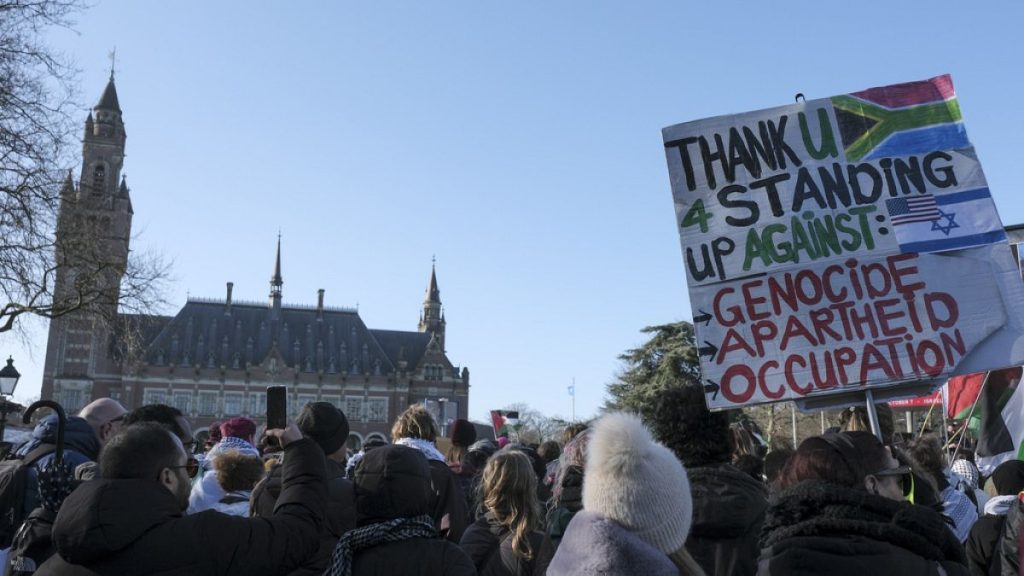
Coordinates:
<point>684,492</point>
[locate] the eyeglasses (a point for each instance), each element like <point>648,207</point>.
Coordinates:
<point>191,467</point>
<point>906,478</point>
<point>119,419</point>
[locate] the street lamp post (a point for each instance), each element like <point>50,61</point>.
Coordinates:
<point>9,377</point>
<point>444,416</point>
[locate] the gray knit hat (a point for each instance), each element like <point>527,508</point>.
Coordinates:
<point>637,482</point>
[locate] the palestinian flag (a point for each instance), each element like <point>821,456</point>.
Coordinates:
<point>1001,433</point>
<point>961,394</point>
<point>505,422</point>
<point>899,120</point>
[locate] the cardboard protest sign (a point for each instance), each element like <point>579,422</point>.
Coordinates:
<point>842,244</point>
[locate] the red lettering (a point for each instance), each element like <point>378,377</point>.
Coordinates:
<point>875,290</point>
<point>874,360</point>
<point>733,341</point>
<point>795,328</point>
<point>813,296</point>
<point>734,317</point>
<point>830,292</point>
<point>738,371</point>
<point>937,364</point>
<point>762,332</point>
<point>762,381</point>
<point>898,273</point>
<point>951,309</point>
<point>845,357</point>
<point>884,317</point>
<point>790,361</point>
<point>751,301</point>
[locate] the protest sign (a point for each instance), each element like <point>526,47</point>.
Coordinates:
<point>841,244</point>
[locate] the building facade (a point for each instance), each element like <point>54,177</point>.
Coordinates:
<point>214,359</point>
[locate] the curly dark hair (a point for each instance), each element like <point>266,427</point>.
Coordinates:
<point>683,423</point>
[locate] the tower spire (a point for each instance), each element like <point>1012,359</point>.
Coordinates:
<point>276,282</point>
<point>432,316</point>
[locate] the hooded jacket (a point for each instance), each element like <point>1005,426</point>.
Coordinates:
<point>80,446</point>
<point>340,512</point>
<point>817,527</point>
<point>595,545</point>
<point>728,511</point>
<point>137,527</point>
<point>395,482</point>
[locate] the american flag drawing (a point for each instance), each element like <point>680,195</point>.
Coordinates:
<point>920,208</point>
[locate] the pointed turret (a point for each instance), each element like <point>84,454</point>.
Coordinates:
<point>68,189</point>
<point>108,101</point>
<point>433,294</point>
<point>276,282</point>
<point>124,193</point>
<point>432,316</point>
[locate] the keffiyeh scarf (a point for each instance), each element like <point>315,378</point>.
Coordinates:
<point>425,446</point>
<point>375,534</point>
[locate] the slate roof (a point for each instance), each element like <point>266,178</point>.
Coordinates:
<point>398,345</point>
<point>334,340</point>
<point>109,99</point>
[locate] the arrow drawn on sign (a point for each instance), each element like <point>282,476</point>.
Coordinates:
<point>703,317</point>
<point>709,350</point>
<point>712,388</point>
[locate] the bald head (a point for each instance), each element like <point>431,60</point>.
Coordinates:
<point>104,416</point>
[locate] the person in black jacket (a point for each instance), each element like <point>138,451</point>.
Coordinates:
<point>982,544</point>
<point>841,511</point>
<point>131,520</point>
<point>416,428</point>
<point>395,533</point>
<point>326,425</point>
<point>728,505</point>
<point>507,540</point>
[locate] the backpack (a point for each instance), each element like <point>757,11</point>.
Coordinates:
<point>13,480</point>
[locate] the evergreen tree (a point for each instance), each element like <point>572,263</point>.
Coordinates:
<point>669,358</point>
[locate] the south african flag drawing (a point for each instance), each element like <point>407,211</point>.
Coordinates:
<point>900,120</point>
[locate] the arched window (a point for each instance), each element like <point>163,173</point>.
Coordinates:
<point>99,179</point>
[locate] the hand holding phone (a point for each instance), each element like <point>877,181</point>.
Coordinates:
<point>277,407</point>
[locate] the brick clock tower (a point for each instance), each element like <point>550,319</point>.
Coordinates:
<point>78,365</point>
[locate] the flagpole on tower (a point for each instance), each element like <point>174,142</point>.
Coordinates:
<point>572,398</point>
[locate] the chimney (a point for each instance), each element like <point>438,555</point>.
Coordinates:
<point>320,304</point>
<point>227,306</point>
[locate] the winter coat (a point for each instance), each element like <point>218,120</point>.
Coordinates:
<point>817,527</point>
<point>490,548</point>
<point>728,510</point>
<point>135,526</point>
<point>448,502</point>
<point>567,503</point>
<point>80,446</point>
<point>595,545</point>
<point>340,512</point>
<point>1009,545</point>
<point>234,503</point>
<point>982,544</point>
<point>402,496</point>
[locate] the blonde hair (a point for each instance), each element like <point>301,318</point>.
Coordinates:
<point>509,492</point>
<point>415,422</point>
<point>455,454</point>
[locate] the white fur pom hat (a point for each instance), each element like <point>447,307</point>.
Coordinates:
<point>638,483</point>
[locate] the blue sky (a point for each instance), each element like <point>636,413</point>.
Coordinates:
<point>518,142</point>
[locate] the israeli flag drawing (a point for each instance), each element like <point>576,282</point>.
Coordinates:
<point>950,221</point>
